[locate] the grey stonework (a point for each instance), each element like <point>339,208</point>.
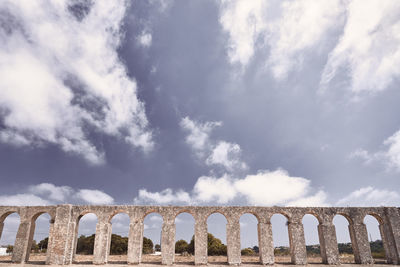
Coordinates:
<point>64,224</point>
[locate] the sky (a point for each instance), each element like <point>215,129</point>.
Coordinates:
<point>215,102</point>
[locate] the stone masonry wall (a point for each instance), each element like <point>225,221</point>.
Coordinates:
<point>65,220</point>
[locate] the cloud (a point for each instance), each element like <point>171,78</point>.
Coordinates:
<point>62,58</point>
<point>145,39</point>
<point>288,29</point>
<point>50,194</point>
<point>164,197</point>
<point>95,197</point>
<point>368,48</point>
<point>263,189</point>
<point>210,189</point>
<point>370,196</point>
<point>393,151</point>
<point>198,134</point>
<point>227,155</point>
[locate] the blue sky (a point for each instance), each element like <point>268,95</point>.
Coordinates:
<point>200,102</point>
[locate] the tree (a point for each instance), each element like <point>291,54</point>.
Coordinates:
<point>34,246</point>
<point>43,243</point>
<point>157,247</point>
<point>119,245</point>
<point>247,252</point>
<point>9,249</point>
<point>215,246</point>
<point>181,246</point>
<point>147,246</point>
<point>85,244</point>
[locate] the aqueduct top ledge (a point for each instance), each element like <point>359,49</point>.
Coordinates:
<point>200,213</point>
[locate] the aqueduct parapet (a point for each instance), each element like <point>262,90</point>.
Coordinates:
<point>65,219</point>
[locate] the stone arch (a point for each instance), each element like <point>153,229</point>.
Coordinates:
<point>185,210</point>
<point>251,249</point>
<point>313,248</point>
<point>34,219</point>
<point>153,233</point>
<point>179,225</point>
<point>281,245</point>
<point>122,216</point>
<point>376,255</point>
<point>217,212</point>
<point>344,237</point>
<point>78,218</point>
<point>4,225</point>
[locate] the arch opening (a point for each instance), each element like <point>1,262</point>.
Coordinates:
<point>151,249</point>
<point>184,238</point>
<point>280,236</point>
<point>9,224</point>
<point>375,238</point>
<point>345,245</point>
<point>119,238</point>
<point>84,238</point>
<point>249,243</point>
<point>313,248</point>
<point>216,239</point>
<point>38,244</point>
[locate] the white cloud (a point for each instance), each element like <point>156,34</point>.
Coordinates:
<point>145,39</point>
<point>393,151</point>
<point>51,191</point>
<point>95,197</point>
<point>265,188</point>
<point>25,199</point>
<point>62,59</point>
<point>370,196</point>
<point>369,47</point>
<point>198,134</point>
<point>288,29</point>
<point>210,189</point>
<point>227,155</point>
<point>317,200</point>
<point>164,197</point>
<point>50,194</point>
<point>244,21</point>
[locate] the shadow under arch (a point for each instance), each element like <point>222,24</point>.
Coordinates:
<point>249,236</point>
<point>280,236</point>
<point>217,220</point>
<point>184,241</point>
<point>84,245</point>
<point>341,221</point>
<point>152,232</point>
<point>8,230</point>
<point>310,223</point>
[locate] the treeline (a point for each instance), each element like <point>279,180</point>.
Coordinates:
<point>119,246</point>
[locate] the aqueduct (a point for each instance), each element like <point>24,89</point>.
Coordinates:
<point>65,219</point>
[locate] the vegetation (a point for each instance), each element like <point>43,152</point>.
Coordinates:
<point>181,246</point>
<point>147,246</point>
<point>248,252</point>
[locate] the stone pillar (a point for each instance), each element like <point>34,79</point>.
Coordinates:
<point>233,241</point>
<point>168,242</point>
<point>135,241</point>
<point>23,241</point>
<point>1,228</point>
<point>51,229</point>
<point>200,242</point>
<point>328,243</point>
<point>297,243</point>
<point>265,243</point>
<point>360,243</point>
<point>102,242</point>
<point>62,236</point>
<point>387,241</point>
<point>392,234</point>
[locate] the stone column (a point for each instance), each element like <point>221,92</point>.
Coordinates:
<point>392,233</point>
<point>297,243</point>
<point>1,228</point>
<point>265,243</point>
<point>233,241</point>
<point>23,241</point>
<point>168,241</point>
<point>387,241</point>
<point>51,229</point>
<point>360,243</point>
<point>62,236</point>
<point>328,243</point>
<point>135,241</point>
<point>101,241</point>
<point>200,242</point>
